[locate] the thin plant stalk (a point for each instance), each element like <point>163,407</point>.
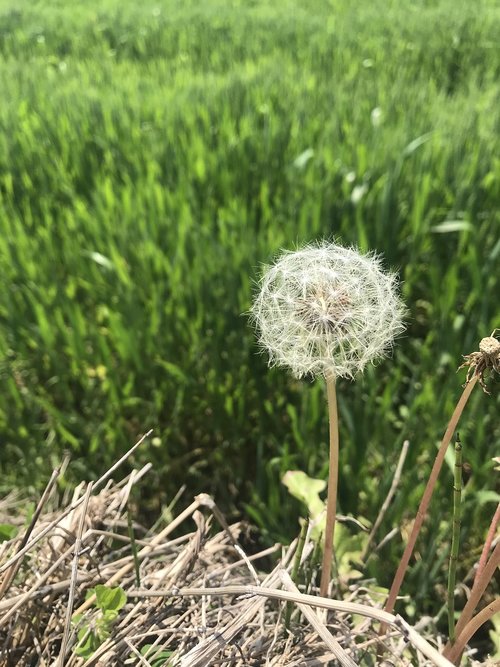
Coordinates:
<point>133,547</point>
<point>333,475</point>
<point>426,498</point>
<point>74,577</point>
<point>296,566</point>
<point>455,538</point>
<point>487,544</point>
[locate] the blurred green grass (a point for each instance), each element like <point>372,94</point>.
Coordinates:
<point>154,155</point>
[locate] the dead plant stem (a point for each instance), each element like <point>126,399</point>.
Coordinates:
<point>426,498</point>
<point>487,544</point>
<point>476,593</point>
<point>454,653</point>
<point>74,577</point>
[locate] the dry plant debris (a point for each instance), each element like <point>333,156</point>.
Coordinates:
<point>193,596</point>
<point>487,359</point>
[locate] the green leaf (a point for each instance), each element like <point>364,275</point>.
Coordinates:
<point>110,599</point>
<point>89,646</point>
<point>109,616</point>
<point>495,637</point>
<point>102,632</point>
<point>156,656</point>
<point>486,496</point>
<point>172,369</point>
<point>306,489</point>
<point>416,143</point>
<point>7,532</point>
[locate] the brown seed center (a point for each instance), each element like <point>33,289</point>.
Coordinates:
<point>324,311</point>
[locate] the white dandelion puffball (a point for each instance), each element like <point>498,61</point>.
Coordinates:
<point>327,310</point>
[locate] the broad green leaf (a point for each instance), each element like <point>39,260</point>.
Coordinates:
<point>109,616</point>
<point>89,646</point>
<point>110,599</point>
<point>306,489</point>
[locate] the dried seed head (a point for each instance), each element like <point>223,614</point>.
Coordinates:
<point>327,310</point>
<point>487,359</point>
<point>489,346</point>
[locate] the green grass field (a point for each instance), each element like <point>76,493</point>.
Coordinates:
<point>153,155</point>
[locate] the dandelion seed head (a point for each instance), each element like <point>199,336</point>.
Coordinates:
<point>327,310</point>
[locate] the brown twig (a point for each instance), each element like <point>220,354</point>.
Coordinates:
<point>470,629</point>
<point>426,498</point>
<point>313,618</point>
<point>475,595</point>
<point>182,615</point>
<point>487,544</point>
<point>18,601</point>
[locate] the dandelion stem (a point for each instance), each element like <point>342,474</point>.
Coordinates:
<point>455,538</point>
<point>426,498</point>
<point>333,474</point>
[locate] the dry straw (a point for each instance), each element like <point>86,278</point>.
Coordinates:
<point>327,310</point>
<point>202,599</point>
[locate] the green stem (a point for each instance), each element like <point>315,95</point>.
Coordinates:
<point>333,474</point>
<point>455,539</point>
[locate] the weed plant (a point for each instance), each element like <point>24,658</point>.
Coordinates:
<point>154,154</point>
